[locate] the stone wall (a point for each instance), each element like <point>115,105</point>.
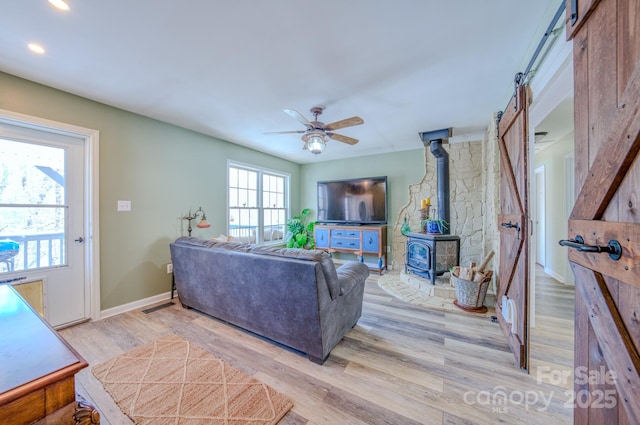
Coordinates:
<point>410,213</point>
<point>474,174</point>
<point>466,199</point>
<point>491,195</point>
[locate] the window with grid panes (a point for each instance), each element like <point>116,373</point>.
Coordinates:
<point>258,204</point>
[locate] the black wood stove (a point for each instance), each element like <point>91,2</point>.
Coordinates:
<point>430,255</point>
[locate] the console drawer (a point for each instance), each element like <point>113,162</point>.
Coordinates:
<point>345,243</point>
<point>346,233</point>
<point>367,242</point>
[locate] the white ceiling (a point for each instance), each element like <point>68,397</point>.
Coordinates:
<point>228,68</point>
<point>557,124</point>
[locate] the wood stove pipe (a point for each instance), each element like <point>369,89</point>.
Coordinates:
<point>442,159</point>
<point>435,139</point>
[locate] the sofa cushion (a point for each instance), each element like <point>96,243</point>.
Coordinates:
<point>233,246</point>
<point>195,241</point>
<point>328,268</point>
<point>321,257</point>
<point>214,244</point>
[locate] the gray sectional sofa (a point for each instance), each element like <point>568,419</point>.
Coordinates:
<point>294,297</point>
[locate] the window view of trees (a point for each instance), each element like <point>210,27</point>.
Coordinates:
<point>32,204</point>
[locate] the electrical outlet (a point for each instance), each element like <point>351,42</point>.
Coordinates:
<point>169,268</point>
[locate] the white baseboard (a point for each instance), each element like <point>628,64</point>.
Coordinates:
<point>555,275</point>
<point>135,305</point>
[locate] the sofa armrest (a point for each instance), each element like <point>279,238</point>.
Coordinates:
<point>351,274</point>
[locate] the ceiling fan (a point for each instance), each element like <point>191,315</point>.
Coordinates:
<point>316,134</point>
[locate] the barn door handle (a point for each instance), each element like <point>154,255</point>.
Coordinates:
<point>613,248</point>
<point>574,12</point>
<point>510,225</point>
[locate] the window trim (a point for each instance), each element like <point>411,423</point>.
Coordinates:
<point>260,170</point>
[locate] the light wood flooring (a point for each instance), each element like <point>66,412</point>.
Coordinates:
<point>400,365</point>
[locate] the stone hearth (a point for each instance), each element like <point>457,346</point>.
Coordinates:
<point>419,291</point>
<point>441,289</point>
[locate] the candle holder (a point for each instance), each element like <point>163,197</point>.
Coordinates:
<point>424,217</point>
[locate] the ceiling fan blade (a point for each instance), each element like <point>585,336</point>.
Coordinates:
<point>343,139</point>
<point>348,122</point>
<point>298,116</point>
<point>287,132</point>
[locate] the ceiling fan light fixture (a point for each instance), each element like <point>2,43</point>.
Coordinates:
<point>317,134</point>
<point>315,141</point>
<point>316,144</point>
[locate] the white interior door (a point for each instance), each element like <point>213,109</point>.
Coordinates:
<point>42,218</point>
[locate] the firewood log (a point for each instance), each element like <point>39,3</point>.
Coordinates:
<point>466,273</point>
<point>486,260</point>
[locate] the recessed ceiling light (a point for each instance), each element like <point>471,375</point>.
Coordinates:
<point>60,4</point>
<point>36,48</point>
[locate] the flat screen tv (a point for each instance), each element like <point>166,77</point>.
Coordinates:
<point>353,201</point>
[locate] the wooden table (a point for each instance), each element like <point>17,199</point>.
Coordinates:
<point>37,369</point>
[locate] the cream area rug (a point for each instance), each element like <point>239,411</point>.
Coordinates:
<point>171,381</point>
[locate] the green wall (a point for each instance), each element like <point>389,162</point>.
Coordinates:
<point>556,210</point>
<point>162,169</point>
<point>401,168</point>
<point>165,170</point>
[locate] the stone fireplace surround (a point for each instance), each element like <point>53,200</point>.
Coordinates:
<point>474,179</point>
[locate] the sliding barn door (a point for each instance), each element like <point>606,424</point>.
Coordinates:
<point>513,270</point>
<point>604,226</point>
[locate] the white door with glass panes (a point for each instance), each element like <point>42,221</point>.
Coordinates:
<point>42,220</point>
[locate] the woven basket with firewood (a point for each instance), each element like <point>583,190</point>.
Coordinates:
<point>471,285</point>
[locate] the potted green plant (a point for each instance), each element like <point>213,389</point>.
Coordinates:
<point>300,232</point>
<point>435,225</point>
